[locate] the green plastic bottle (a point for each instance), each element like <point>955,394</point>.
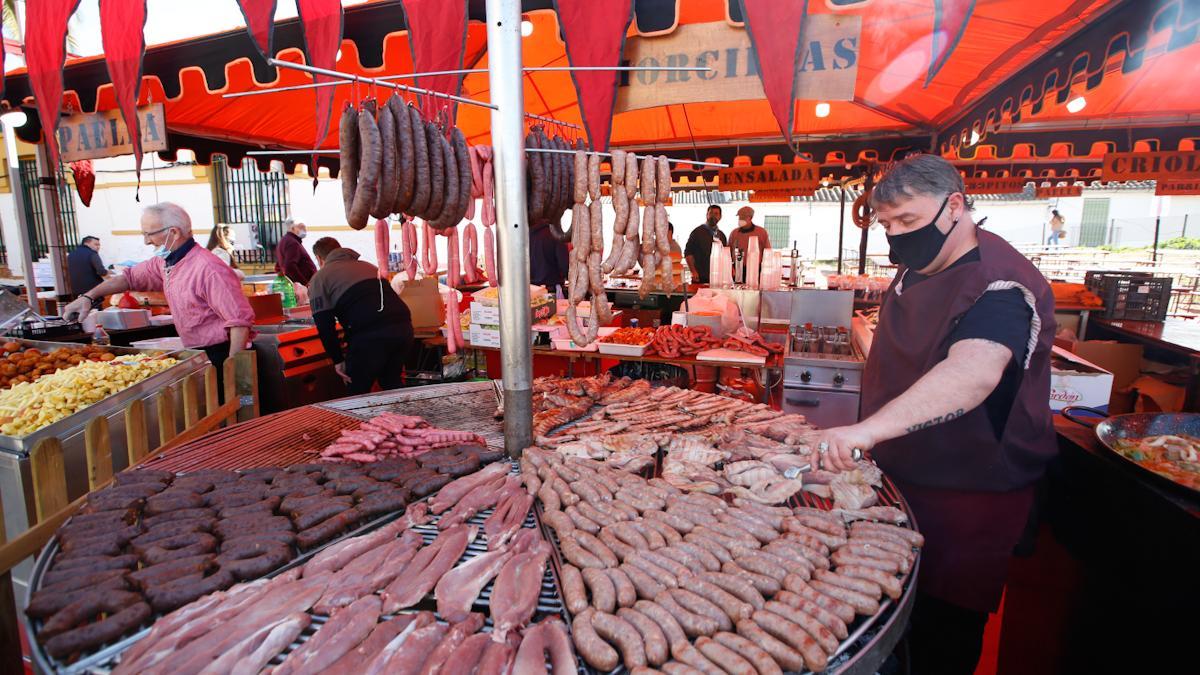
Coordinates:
<point>283,286</point>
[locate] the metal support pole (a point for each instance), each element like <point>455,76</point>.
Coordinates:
<point>1157,225</point>
<point>508,145</point>
<point>51,211</point>
<point>23,225</point>
<point>841,229</point>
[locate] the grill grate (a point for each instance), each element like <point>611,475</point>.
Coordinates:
<point>463,406</point>
<point>290,437</point>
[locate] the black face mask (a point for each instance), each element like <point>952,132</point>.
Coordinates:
<point>916,249</point>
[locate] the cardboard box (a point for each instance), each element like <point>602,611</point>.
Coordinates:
<point>1075,381</point>
<point>1121,359</point>
<point>424,303</point>
<point>490,314</point>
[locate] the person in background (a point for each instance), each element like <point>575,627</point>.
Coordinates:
<point>376,322</point>
<point>747,230</point>
<point>203,293</point>
<point>291,260</point>
<point>85,267</point>
<point>676,252</point>
<point>699,244</point>
<point>954,402</point>
<point>548,258</point>
<point>676,258</point>
<point>1057,223</point>
<point>220,242</point>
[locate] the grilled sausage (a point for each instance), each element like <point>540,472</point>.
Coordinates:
<point>626,593</point>
<point>573,591</point>
<point>858,585</point>
<point>819,632</point>
<point>694,625</point>
<point>724,657</point>
<point>862,604</point>
<point>843,557</point>
<point>594,650</point>
<point>827,618</point>
<point>891,585</point>
<point>700,605</point>
<point>654,641</point>
<point>621,633</point>
<point>577,555</point>
<point>783,654</point>
<point>732,606</point>
<point>604,594</point>
<point>800,588</point>
<point>757,656</point>
<point>666,622</point>
<point>643,583</point>
<point>794,636</point>
<point>597,548</point>
<point>768,586</point>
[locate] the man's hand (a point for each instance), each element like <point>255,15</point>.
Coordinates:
<point>79,307</point>
<point>836,447</point>
<point>340,369</point>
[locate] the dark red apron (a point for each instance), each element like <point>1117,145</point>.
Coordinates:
<point>971,492</point>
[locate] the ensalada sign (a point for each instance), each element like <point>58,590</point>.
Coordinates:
<point>995,186</point>
<point>826,69</point>
<point>1059,191</point>
<point>793,178</point>
<point>1177,187</point>
<point>103,134</point>
<point>1165,165</point>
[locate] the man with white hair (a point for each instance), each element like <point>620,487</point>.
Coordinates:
<point>204,294</point>
<point>291,260</point>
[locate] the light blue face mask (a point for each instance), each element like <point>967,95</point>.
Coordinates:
<point>163,251</point>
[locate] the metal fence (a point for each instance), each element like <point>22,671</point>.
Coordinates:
<point>1136,232</point>
<point>38,241</point>
<point>247,195</point>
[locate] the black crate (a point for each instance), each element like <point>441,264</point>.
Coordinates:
<point>1094,280</point>
<point>1136,297</point>
<point>45,330</point>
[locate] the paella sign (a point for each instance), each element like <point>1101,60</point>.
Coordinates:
<point>103,134</point>
<point>1177,187</point>
<point>826,70</point>
<point>1164,165</point>
<point>1050,192</point>
<point>791,178</point>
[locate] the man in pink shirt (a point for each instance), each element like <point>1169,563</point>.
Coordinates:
<point>204,294</point>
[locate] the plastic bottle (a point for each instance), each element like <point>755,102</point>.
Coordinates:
<point>100,336</point>
<point>283,286</point>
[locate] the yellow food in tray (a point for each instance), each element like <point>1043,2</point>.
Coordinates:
<point>29,406</point>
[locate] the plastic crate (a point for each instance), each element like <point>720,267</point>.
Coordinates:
<point>1094,280</point>
<point>1136,298</point>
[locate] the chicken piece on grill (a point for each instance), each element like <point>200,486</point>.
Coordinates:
<point>696,449</point>
<point>772,491</point>
<point>749,473</point>
<point>692,476</point>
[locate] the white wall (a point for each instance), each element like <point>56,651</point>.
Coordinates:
<point>814,226</point>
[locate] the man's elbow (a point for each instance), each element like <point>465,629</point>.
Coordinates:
<point>982,362</point>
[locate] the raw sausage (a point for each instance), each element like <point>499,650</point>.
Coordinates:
<point>348,155</point>
<point>581,177</point>
<point>593,176</point>
<point>370,160</point>
<point>389,183</point>
<point>626,593</point>
<point>648,190</point>
<point>382,235</point>
<point>643,583</point>
<point>663,180</point>
<point>666,622</point>
<point>694,625</point>
<point>604,595</point>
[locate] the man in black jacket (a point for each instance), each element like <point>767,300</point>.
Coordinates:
<point>84,266</point>
<point>377,323</point>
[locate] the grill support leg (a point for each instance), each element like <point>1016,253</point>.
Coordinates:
<point>508,146</point>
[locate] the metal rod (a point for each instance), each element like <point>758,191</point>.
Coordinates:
<point>516,343</point>
<point>609,154</point>
<point>471,71</point>
<point>551,120</point>
<point>265,153</point>
<point>378,82</point>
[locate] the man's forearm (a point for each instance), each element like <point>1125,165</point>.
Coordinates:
<point>114,284</point>
<point>691,263</point>
<point>237,339</point>
<point>958,384</point>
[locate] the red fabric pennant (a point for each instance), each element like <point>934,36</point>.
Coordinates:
<point>260,23</point>
<point>774,27</point>
<point>45,51</point>
<point>595,36</point>
<point>121,25</point>
<point>949,23</point>
<point>437,33</point>
<point>321,21</point>
<point>85,180</point>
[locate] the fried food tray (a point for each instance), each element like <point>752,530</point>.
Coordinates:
<point>104,659</point>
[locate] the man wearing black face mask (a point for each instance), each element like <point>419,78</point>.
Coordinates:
<point>954,402</point>
<point>700,242</point>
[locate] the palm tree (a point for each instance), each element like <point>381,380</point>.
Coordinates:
<point>13,21</point>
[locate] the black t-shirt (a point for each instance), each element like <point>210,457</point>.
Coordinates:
<point>1002,317</point>
<point>699,246</point>
<point>548,259</point>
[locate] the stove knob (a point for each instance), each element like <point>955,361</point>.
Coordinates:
<point>806,376</point>
<point>839,379</point>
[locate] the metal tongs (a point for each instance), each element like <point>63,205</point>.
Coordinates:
<point>795,471</point>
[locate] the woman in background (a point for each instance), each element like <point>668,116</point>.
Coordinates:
<point>220,242</point>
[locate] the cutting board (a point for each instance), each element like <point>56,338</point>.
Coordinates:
<point>732,356</point>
